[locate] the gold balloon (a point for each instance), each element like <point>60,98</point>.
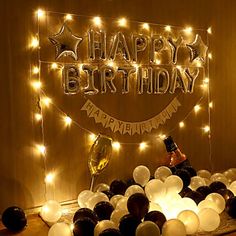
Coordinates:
<point>100,154</point>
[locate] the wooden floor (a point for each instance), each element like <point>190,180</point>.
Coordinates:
<point>36,227</point>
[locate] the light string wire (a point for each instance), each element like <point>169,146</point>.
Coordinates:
<point>44,155</point>
<point>115,19</point>
<point>209,109</point>
<point>124,143</point>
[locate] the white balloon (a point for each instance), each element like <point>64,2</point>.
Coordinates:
<point>96,198</point>
<point>207,204</point>
<point>60,229</point>
<point>132,190</point>
<point>173,227</point>
<point>103,225</point>
<point>122,204</point>
<point>101,187</point>
<point>189,204</point>
<point>209,219</point>
<point>154,207</point>
<point>83,198</point>
<point>218,200</point>
<point>232,187</point>
<point>220,177</point>
<point>51,211</point>
<point>162,173</point>
<point>204,174</point>
<point>117,214</point>
<point>115,199</point>
<point>230,174</point>
<point>141,175</point>
<point>196,182</point>
<point>155,190</point>
<point>147,228</point>
<point>190,220</point>
<point>174,184</point>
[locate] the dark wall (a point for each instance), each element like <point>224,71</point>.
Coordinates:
<point>21,173</point>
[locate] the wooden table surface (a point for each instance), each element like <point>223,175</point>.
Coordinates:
<point>36,227</point>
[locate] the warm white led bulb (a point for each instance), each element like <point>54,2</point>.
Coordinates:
<point>97,21</point>
<point>188,30</point>
<point>111,63</point>
<point>197,108</point>
<point>210,55</point>
<point>40,13</point>
<point>68,17</point>
<point>41,149</point>
<point>92,137</point>
<point>198,63</point>
<point>36,84</point>
<point>46,101</point>
<point>35,70</point>
<point>181,124</point>
<point>162,136</point>
<point>122,22</point>
<point>179,67</point>
<point>38,116</point>
<point>67,120</point>
<point>211,104</point>
<point>54,66</point>
<point>116,145</point>
<point>142,146</point>
<point>206,128</point>
<point>168,28</point>
<point>49,178</point>
<point>158,61</point>
<point>145,26</point>
<point>209,30</point>
<point>34,42</point>
<point>206,80</point>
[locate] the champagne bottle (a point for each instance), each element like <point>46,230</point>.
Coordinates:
<point>175,156</point>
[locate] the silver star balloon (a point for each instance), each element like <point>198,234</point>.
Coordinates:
<point>198,49</point>
<point>66,43</point>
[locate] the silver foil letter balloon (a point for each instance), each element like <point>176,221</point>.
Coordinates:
<point>70,75</point>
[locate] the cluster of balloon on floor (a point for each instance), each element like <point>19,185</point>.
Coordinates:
<point>169,203</point>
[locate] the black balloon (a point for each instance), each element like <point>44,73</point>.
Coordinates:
<point>157,217</point>
<point>85,212</point>
<point>108,193</point>
<point>190,170</point>
<point>225,193</point>
<point>185,176</point>
<point>196,196</point>
<point>130,182</point>
<point>128,225</point>
<point>110,232</point>
<point>14,218</point>
<point>84,227</point>
<point>217,185</point>
<point>118,187</point>
<point>204,190</point>
<point>103,210</point>
<point>231,207</point>
<point>184,191</point>
<point>138,205</point>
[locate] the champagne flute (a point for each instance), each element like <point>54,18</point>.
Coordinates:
<point>99,156</point>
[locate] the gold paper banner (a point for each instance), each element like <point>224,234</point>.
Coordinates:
<point>130,128</point>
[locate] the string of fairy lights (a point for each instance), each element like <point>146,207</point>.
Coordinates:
<point>45,101</point>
